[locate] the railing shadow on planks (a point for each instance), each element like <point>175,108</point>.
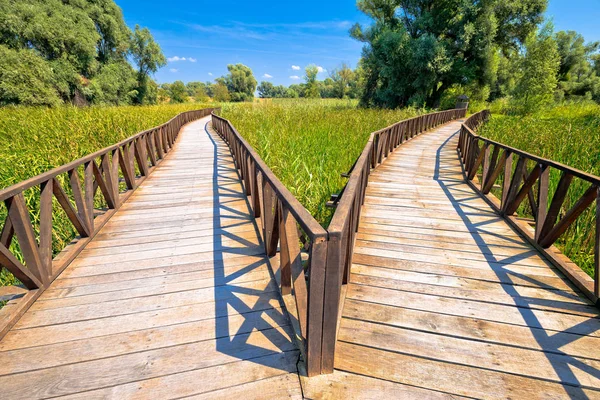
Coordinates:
<point>312,286</point>
<point>27,249</point>
<point>524,189</point>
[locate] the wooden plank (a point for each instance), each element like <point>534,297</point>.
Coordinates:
<point>505,274</point>
<point>474,329</point>
<point>474,309</point>
<point>269,376</point>
<point>528,257</point>
<point>344,385</point>
<point>545,300</point>
<point>143,339</point>
<point>498,266</point>
<point>177,283</point>
<point>134,367</point>
<point>524,362</point>
<point>242,293</point>
<point>449,378</point>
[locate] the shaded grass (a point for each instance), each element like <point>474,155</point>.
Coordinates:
<point>309,143</point>
<point>569,134</point>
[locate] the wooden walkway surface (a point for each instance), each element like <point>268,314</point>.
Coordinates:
<point>446,300</point>
<point>173,298</point>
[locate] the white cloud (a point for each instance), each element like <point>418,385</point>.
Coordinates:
<point>210,73</point>
<point>295,67</point>
<point>173,70</point>
<point>267,76</point>
<point>177,58</point>
<point>321,69</point>
<point>294,77</point>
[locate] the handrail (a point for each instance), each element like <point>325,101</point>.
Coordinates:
<point>330,251</point>
<point>280,215</point>
<point>487,163</point>
<point>128,162</point>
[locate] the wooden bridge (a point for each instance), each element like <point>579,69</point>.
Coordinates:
<point>196,273</point>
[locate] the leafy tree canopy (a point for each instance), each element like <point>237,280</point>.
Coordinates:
<point>417,49</point>
<point>82,45</point>
<point>178,92</point>
<point>240,82</point>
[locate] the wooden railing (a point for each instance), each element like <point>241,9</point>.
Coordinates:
<point>116,171</point>
<point>315,305</point>
<point>286,222</point>
<point>524,181</point>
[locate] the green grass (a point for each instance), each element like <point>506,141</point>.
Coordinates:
<point>569,134</point>
<point>309,143</point>
<point>35,140</point>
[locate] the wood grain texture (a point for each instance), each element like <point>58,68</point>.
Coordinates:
<point>445,299</point>
<point>172,298</point>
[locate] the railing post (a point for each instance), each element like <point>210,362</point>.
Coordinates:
<point>597,247</point>
<point>315,308</point>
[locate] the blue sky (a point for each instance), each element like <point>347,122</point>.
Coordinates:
<point>277,39</point>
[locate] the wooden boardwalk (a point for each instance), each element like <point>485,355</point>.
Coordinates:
<point>173,298</point>
<point>446,300</point>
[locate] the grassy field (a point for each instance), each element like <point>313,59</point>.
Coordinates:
<point>569,134</point>
<point>35,140</point>
<point>308,144</point>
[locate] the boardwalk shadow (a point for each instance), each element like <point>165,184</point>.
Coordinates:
<point>549,341</point>
<point>250,322</point>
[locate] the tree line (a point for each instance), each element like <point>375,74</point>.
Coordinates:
<point>241,85</point>
<point>60,51</point>
<point>416,53</point>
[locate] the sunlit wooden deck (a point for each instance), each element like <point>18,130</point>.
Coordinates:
<point>175,298</point>
<point>172,298</point>
<point>446,300</point>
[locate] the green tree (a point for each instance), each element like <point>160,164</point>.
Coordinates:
<point>312,86</point>
<point>192,87</point>
<point>266,90</point>
<point>148,57</point>
<point>163,92</point>
<point>576,75</point>
<point>240,82</point>
<point>114,84</point>
<point>220,92</point>
<point>200,95</point>
<point>327,89</point>
<point>342,78</point>
<point>417,49</point>
<point>540,67</point>
<point>26,78</point>
<point>298,88</point>
<point>83,44</point>
<point>178,92</point>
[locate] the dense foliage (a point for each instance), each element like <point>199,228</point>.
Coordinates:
<point>417,49</point>
<point>55,51</point>
<point>240,82</point>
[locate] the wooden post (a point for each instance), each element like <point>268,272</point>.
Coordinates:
<point>542,206</point>
<point>597,247</point>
